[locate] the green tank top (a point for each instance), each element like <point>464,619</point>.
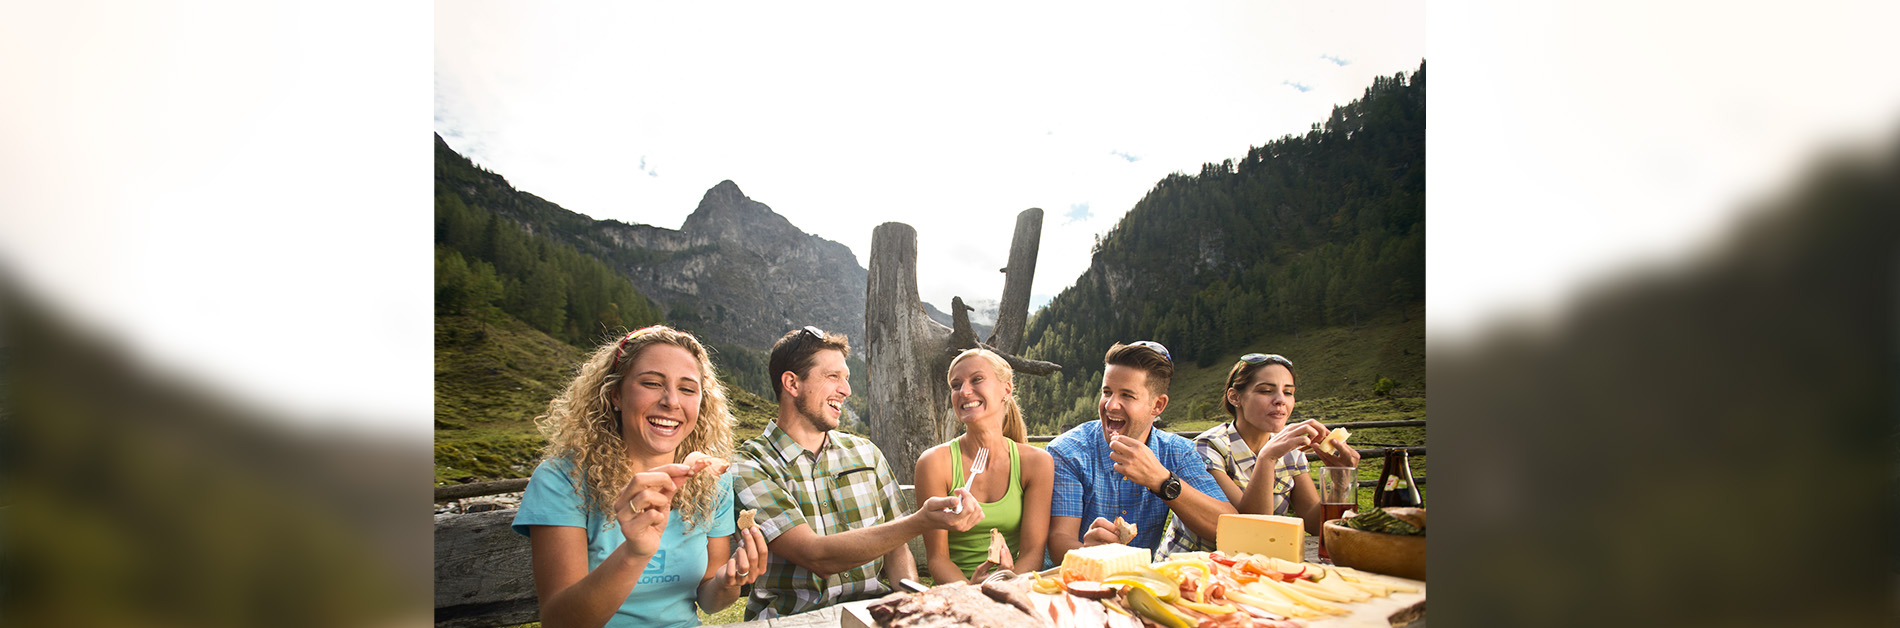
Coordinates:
<point>969,549</point>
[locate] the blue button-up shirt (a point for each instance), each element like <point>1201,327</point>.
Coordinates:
<point>1087,485</point>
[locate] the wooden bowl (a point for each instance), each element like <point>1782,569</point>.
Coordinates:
<point>1389,554</point>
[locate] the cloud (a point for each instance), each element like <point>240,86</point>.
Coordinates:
<point>1078,212</point>
<point>1299,86</point>
<point>651,172</point>
<point>1125,155</point>
<point>1336,60</point>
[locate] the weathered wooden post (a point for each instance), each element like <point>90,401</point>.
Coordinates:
<point>1012,316</point>
<point>905,411</point>
<point>909,404</point>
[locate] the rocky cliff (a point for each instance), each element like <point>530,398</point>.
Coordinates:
<point>735,271</point>
<point>741,272</point>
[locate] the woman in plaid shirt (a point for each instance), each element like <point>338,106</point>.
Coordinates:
<point>1259,397</point>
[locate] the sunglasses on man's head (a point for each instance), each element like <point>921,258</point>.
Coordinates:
<point>1258,358</point>
<point>808,332</point>
<point>1156,346</point>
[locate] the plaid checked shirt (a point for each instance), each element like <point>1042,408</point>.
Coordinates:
<point>1218,446</point>
<point>1087,485</point>
<point>845,485</point>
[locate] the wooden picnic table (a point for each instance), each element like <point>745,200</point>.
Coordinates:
<point>833,616</point>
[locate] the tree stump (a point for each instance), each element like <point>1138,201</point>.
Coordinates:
<point>908,353</point>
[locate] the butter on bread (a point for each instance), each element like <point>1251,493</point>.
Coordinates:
<point>745,519</point>
<point>1124,530</point>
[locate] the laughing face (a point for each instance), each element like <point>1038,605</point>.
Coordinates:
<point>820,394</point>
<point>659,400</point>
<point>1127,405</point>
<point>977,393</point>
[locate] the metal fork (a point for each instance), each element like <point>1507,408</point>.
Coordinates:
<point>976,466</point>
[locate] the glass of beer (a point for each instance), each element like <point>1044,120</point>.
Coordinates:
<point>1338,491</point>
<point>1338,494</point>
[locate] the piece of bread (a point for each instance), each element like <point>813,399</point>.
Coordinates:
<point>999,550</point>
<point>702,462</point>
<point>745,519</point>
<point>1124,530</point>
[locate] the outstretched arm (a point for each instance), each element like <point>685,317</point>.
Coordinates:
<point>836,553</point>
<point>933,480</point>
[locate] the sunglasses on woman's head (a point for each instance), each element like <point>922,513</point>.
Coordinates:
<point>1257,358</point>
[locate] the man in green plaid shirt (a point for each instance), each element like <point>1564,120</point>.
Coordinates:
<point>827,501</point>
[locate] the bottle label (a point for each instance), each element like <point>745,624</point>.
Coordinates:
<point>1402,484</point>
<point>1391,482</point>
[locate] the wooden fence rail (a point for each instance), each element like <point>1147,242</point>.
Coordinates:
<point>480,489</point>
<point>516,485</point>
<point>1354,425</point>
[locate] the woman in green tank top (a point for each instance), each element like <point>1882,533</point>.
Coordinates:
<point>1014,487</point>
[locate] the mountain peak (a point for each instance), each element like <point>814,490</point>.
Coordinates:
<point>725,214</point>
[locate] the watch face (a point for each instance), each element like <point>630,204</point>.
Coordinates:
<point>1171,488</point>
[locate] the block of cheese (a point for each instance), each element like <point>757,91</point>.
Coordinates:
<point>1270,535</point>
<point>1102,561</point>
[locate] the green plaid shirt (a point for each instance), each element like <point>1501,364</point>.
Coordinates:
<point>1223,449</point>
<point>845,485</point>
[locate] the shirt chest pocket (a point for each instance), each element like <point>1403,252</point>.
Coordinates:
<point>854,499</point>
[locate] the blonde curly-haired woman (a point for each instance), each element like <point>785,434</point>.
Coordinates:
<point>623,532</point>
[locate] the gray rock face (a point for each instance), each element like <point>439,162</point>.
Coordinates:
<point>735,272</point>
<point>745,273</point>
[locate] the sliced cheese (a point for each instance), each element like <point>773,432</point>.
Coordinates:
<point>1337,437</point>
<point>1102,561</point>
<point>1270,535</point>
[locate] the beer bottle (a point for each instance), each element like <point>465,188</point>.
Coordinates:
<point>1378,489</point>
<point>1396,487</point>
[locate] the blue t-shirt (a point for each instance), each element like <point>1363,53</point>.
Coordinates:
<point>666,590</point>
<point>1087,485</point>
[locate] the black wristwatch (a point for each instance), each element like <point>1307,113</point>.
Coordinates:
<point>1170,488</point>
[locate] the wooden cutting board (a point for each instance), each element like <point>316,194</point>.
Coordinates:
<point>855,616</point>
<point>1398,609</point>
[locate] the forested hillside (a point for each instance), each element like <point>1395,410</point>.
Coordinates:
<point>485,265</point>
<point>518,305</point>
<point>1324,230</point>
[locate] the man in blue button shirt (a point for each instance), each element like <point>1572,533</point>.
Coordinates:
<point>1118,466</point>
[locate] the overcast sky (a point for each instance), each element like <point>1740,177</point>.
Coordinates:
<point>952,118</point>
